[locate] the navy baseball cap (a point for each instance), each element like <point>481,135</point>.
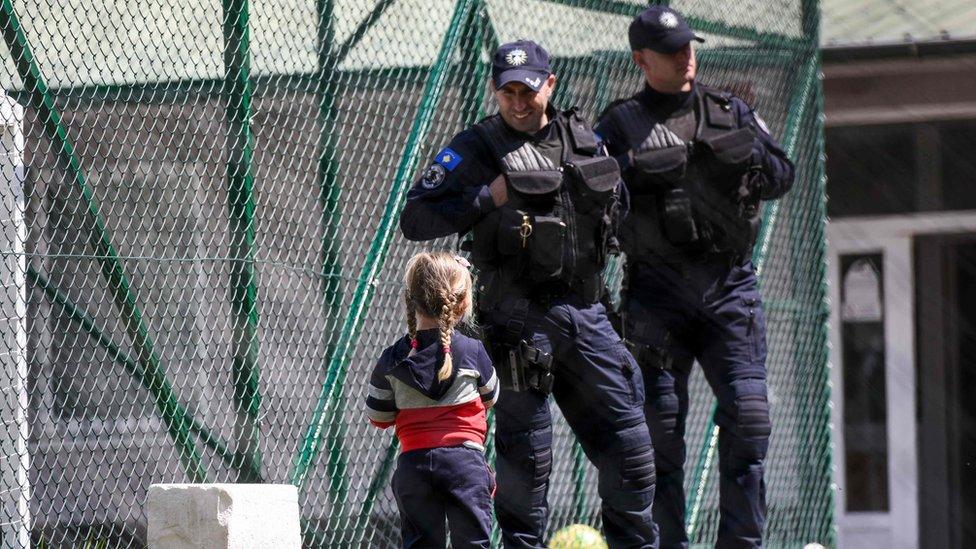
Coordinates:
<point>660,29</point>
<point>521,61</point>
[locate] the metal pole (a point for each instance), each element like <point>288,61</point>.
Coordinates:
<point>336,371</point>
<point>14,482</point>
<point>798,111</point>
<point>357,34</point>
<point>474,109</point>
<point>376,486</point>
<point>240,204</point>
<point>815,427</point>
<point>112,270</point>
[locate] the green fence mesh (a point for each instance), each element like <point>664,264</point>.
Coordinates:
<point>201,261</point>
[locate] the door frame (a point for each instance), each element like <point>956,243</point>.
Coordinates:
<point>893,237</point>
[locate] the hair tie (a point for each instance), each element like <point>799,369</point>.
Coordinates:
<point>414,344</point>
<point>447,349</point>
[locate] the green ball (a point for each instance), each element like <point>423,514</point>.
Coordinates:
<point>577,536</point>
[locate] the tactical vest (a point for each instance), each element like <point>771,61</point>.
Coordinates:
<point>555,231</point>
<point>689,181</point>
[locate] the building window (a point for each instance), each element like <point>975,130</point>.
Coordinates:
<point>870,170</point>
<point>865,399</point>
<point>958,140</point>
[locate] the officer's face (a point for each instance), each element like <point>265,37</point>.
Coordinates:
<point>523,108</point>
<point>668,72</point>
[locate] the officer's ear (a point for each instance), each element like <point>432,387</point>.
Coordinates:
<point>549,86</point>
<point>638,58</point>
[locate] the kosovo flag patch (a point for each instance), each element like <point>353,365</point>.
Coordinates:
<point>448,158</point>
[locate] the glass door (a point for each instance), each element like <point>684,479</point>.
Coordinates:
<point>873,376</point>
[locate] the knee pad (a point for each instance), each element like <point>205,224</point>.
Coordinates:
<point>627,469</point>
<point>637,469</point>
<point>752,425</point>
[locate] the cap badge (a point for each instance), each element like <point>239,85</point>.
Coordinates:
<point>516,57</point>
<point>668,20</point>
<point>534,82</point>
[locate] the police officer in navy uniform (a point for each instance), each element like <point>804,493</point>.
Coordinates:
<point>697,161</point>
<point>541,201</point>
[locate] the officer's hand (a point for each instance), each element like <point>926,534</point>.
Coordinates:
<point>499,190</point>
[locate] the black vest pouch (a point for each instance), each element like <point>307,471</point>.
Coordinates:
<point>657,170</point>
<point>678,218</point>
<point>513,231</point>
<point>534,189</point>
<point>593,182</point>
<point>533,244</point>
<point>545,248</point>
<point>535,183</point>
<point>730,151</point>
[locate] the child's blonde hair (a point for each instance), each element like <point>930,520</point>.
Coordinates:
<point>438,285</point>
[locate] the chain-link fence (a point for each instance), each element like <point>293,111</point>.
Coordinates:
<point>201,261</point>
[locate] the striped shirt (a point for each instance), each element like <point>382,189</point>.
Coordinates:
<point>404,392</point>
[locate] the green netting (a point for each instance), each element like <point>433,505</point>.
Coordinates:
<point>201,261</point>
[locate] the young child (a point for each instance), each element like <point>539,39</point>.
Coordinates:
<point>434,385</point>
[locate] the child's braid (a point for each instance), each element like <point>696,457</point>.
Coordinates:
<point>446,322</point>
<point>411,322</point>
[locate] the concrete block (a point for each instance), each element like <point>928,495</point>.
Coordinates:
<point>223,516</point>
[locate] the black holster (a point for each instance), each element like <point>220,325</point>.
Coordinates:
<point>520,365</point>
<point>524,367</point>
<point>650,357</point>
<point>654,356</point>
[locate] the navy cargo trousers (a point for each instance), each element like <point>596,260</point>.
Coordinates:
<point>600,392</point>
<point>433,483</point>
<point>710,311</point>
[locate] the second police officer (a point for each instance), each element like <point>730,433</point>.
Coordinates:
<point>696,161</point>
<point>540,198</point>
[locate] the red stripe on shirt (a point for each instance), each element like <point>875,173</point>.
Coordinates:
<point>441,426</point>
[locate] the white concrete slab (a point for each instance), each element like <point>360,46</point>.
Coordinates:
<point>223,516</point>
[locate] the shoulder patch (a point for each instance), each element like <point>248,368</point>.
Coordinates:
<point>433,177</point>
<point>448,158</point>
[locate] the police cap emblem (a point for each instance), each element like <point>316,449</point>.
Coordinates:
<point>433,177</point>
<point>516,57</point>
<point>668,20</point>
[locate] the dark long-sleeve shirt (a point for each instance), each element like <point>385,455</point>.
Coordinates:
<point>452,194</point>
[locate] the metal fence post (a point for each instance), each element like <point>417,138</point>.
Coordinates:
<point>240,202</point>
<point>14,459</point>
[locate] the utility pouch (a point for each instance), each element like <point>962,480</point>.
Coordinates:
<point>677,218</point>
<point>593,182</point>
<point>657,170</point>
<point>535,240</point>
<point>534,189</point>
<point>514,230</point>
<point>545,247</point>
<point>731,150</point>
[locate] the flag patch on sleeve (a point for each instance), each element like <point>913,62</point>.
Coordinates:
<point>448,158</point>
